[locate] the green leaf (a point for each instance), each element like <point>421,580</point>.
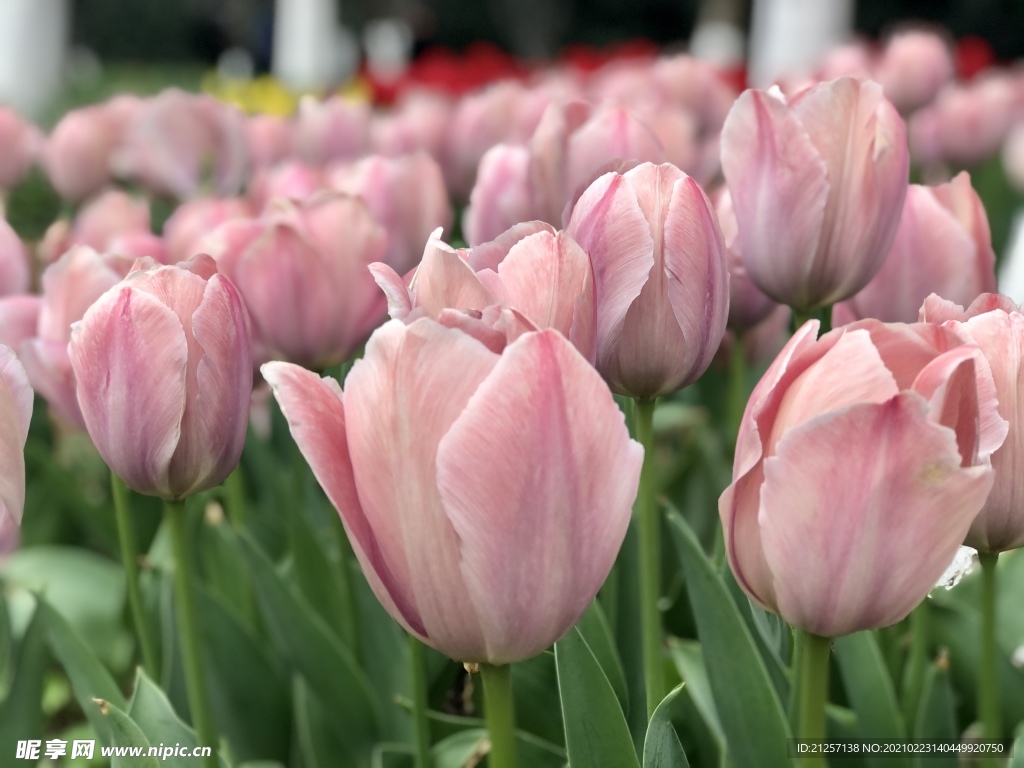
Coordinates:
<point>124,732</point>
<point>662,748</point>
<point>689,660</point>
<point>249,698</point>
<point>309,646</point>
<point>21,713</point>
<point>460,749</point>
<point>1018,750</point>
<point>90,680</point>
<point>598,634</point>
<point>6,639</point>
<point>871,692</point>
<point>936,714</point>
<point>596,734</point>
<point>535,691</point>
<point>318,742</point>
<point>748,707</point>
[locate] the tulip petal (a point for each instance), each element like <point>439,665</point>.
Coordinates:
<point>15,413</point>
<point>400,399</point>
<point>49,370</point>
<point>610,226</point>
<point>315,411</point>
<point>537,476</point>
<point>445,279</point>
<point>501,194</point>
<point>844,499</point>
<point>395,289</point>
<point>138,356</point>
<point>779,186</point>
<point>489,255</point>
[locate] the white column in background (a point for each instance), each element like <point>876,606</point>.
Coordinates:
<point>311,50</point>
<point>789,37</point>
<point>33,44</point>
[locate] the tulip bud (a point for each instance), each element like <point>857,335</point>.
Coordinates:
<point>942,246</point>
<point>14,261</point>
<point>164,377</point>
<point>335,129</point>
<point>302,271</point>
<point>915,65</point>
<point>748,304</point>
<point>269,138</point>
<point>996,325</point>
<point>501,196</point>
<point>109,215</point>
<point>194,219</point>
<point>79,150</point>
<point>817,185</point>
<point>861,462</point>
<point>21,142</point>
<point>662,285</point>
<point>15,415</point>
<point>485,515</point>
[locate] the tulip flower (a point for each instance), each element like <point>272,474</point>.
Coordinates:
<point>334,129</point>
<point>943,246</point>
<point>19,319</point>
<point>79,150</point>
<point>501,196</point>
<point>194,219</point>
<point>290,180</point>
<point>102,219</point>
<point>862,460</point>
<point>748,305</point>
<point>662,286</point>
<point>164,375</point>
<point>419,122</point>
<point>15,414</point>
<point>302,271</point>
<point>543,276</point>
<point>22,143</point>
<point>269,138</point>
<point>14,261</point>
<point>484,517</point>
<point>70,286</point>
<point>817,186</point>
<point>915,65</point>
<point>406,195</point>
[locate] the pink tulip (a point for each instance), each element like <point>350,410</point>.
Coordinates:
<point>662,285</point>
<point>943,246</point>
<point>915,65</point>
<point>164,372</point>
<point>194,219</point>
<point>178,139</point>
<point>543,276</point>
<point>996,325</point>
<point>502,195</point>
<point>19,319</point>
<point>419,122</point>
<point>748,305</point>
<point>817,185</point>
<point>485,515</point>
<point>289,180</point>
<point>15,414</point>
<point>302,271</point>
<point>21,142</point>
<point>14,261</point>
<point>406,195</point>
<point>70,286</point>
<point>79,151</point>
<point>861,461</point>
<point>139,245</point>
<point>975,118</point>
<point>109,215</point>
<point>269,138</point>
<point>335,129</point>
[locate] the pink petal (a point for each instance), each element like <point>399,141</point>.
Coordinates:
<point>861,512</point>
<point>19,318</point>
<point>400,400</point>
<point>395,289</point>
<point>495,326</point>
<point>779,186</point>
<point>130,358</point>
<point>501,195</point>
<point>49,370</point>
<point>537,476</point>
<point>315,411</point>
<point>489,255</point>
<point>445,279</point>
<point>15,414</point>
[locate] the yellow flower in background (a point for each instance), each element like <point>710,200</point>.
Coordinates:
<point>267,95</point>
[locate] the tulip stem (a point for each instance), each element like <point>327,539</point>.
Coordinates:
<point>500,715</point>
<point>234,498</point>
<point>188,630</point>
<point>988,680</point>
<point>421,729</point>
<point>649,539</point>
<point>812,678</point>
<point>917,664</point>
<point>126,535</point>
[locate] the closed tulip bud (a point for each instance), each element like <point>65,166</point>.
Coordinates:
<point>942,246</point>
<point>817,185</point>
<point>914,66</point>
<point>973,119</point>
<point>419,122</point>
<point>302,271</point>
<point>269,138</point>
<point>70,286</point>
<point>406,195</point>
<point>109,215</point>
<point>79,151</point>
<point>15,414</point>
<point>19,319</point>
<point>996,325</point>
<point>21,142</point>
<point>194,219</point>
<point>542,276</point>
<point>662,285</point>
<point>748,305</point>
<point>288,180</point>
<point>335,129</point>
<point>501,196</point>
<point>861,462</point>
<point>164,376</point>
<point>484,563</point>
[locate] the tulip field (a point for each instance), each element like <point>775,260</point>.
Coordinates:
<point>601,416</point>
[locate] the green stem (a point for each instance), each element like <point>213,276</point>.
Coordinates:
<point>988,681</point>
<point>126,534</point>
<point>234,498</point>
<point>188,630</point>
<point>421,729</point>
<point>650,560</point>
<point>822,314</point>
<point>917,664</point>
<point>796,674</point>
<point>813,687</point>
<point>499,714</point>
<point>737,386</point>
